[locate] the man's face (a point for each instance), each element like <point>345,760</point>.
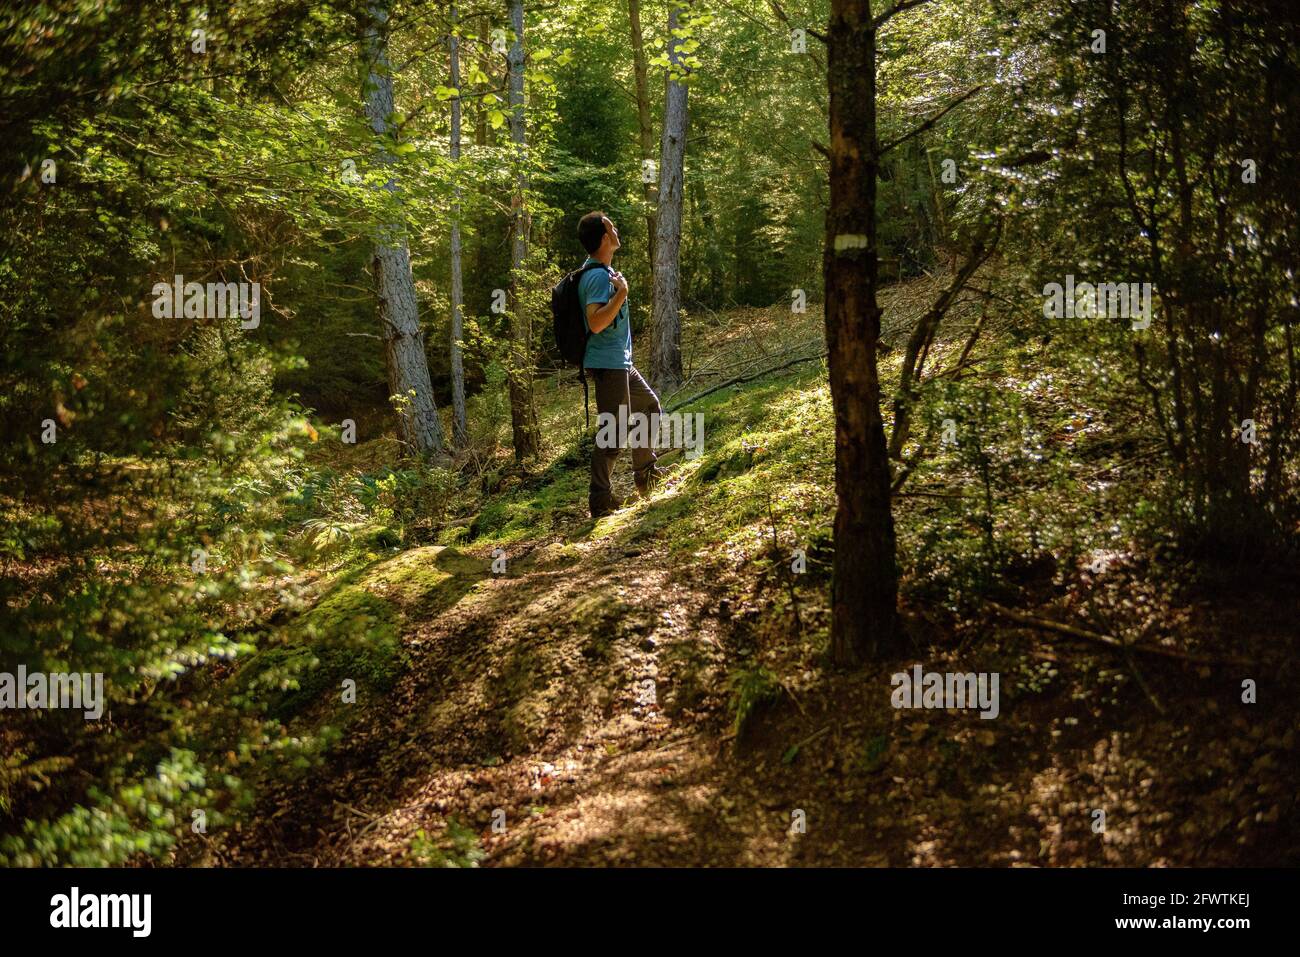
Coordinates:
<point>611,232</point>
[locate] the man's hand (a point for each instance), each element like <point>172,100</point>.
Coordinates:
<point>600,317</point>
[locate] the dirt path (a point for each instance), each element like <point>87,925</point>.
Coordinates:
<point>575,711</point>
<point>532,711</point>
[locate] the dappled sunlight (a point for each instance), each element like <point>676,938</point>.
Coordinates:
<point>965,544</point>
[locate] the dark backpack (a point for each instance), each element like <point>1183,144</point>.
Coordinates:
<point>570,325</point>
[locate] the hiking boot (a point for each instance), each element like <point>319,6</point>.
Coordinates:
<point>606,507</point>
<point>646,484</point>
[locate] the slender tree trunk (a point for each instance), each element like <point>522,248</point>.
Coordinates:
<point>864,589</point>
<point>523,414</point>
<point>918,344</point>
<point>712,263</point>
<point>487,220</point>
<point>644,127</point>
<point>399,316</point>
<point>666,326</point>
<point>460,435</point>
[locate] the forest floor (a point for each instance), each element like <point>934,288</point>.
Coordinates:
<point>641,690</point>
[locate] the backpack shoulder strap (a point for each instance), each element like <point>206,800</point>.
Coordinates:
<point>582,371</point>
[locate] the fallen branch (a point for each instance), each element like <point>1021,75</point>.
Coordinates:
<point>812,737</point>
<point>1075,632</point>
<point>1137,673</point>
<point>739,379</point>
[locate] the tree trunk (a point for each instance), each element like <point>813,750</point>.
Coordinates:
<point>665,326</point>
<point>523,414</point>
<point>646,131</point>
<point>918,344</point>
<point>399,317</point>
<point>864,589</point>
<point>459,432</point>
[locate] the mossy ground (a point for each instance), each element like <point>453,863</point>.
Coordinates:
<point>644,689</point>
<point>354,632</point>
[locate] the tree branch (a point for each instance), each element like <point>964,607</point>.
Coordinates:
<point>928,124</point>
<point>894,11</point>
<point>1049,625</point>
<point>739,379</point>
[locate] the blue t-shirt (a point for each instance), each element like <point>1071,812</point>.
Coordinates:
<point>611,348</point>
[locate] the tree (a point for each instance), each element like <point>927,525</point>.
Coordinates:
<point>523,413</point>
<point>399,316</point>
<point>644,129</point>
<point>1195,215</point>
<point>665,326</point>
<point>460,435</point>
<point>864,586</point>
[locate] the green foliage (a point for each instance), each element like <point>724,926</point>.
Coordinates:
<point>751,688</point>
<point>456,846</point>
<point>199,533</point>
<point>873,754</point>
<point>123,821</point>
<point>488,412</point>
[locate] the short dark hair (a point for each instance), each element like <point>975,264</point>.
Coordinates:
<point>591,230</point>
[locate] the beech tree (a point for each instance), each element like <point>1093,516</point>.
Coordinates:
<point>459,432</point>
<point>665,326</point>
<point>399,315</point>
<point>523,412</point>
<point>645,131</point>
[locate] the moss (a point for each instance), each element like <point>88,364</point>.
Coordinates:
<point>507,520</point>
<point>354,631</point>
<point>532,509</point>
<point>660,515</point>
<point>526,722</point>
<point>351,633</point>
<point>454,534</point>
<point>556,553</point>
<point>423,581</point>
<point>381,536</point>
<point>596,612</point>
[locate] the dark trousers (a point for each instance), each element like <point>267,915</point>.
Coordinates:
<point>615,389</point>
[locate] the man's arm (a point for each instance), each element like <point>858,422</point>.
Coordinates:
<point>600,316</point>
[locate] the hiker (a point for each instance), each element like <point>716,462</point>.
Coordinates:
<point>602,295</point>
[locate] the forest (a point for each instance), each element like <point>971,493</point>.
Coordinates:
<point>949,347</point>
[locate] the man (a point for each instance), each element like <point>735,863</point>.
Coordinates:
<point>602,293</point>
